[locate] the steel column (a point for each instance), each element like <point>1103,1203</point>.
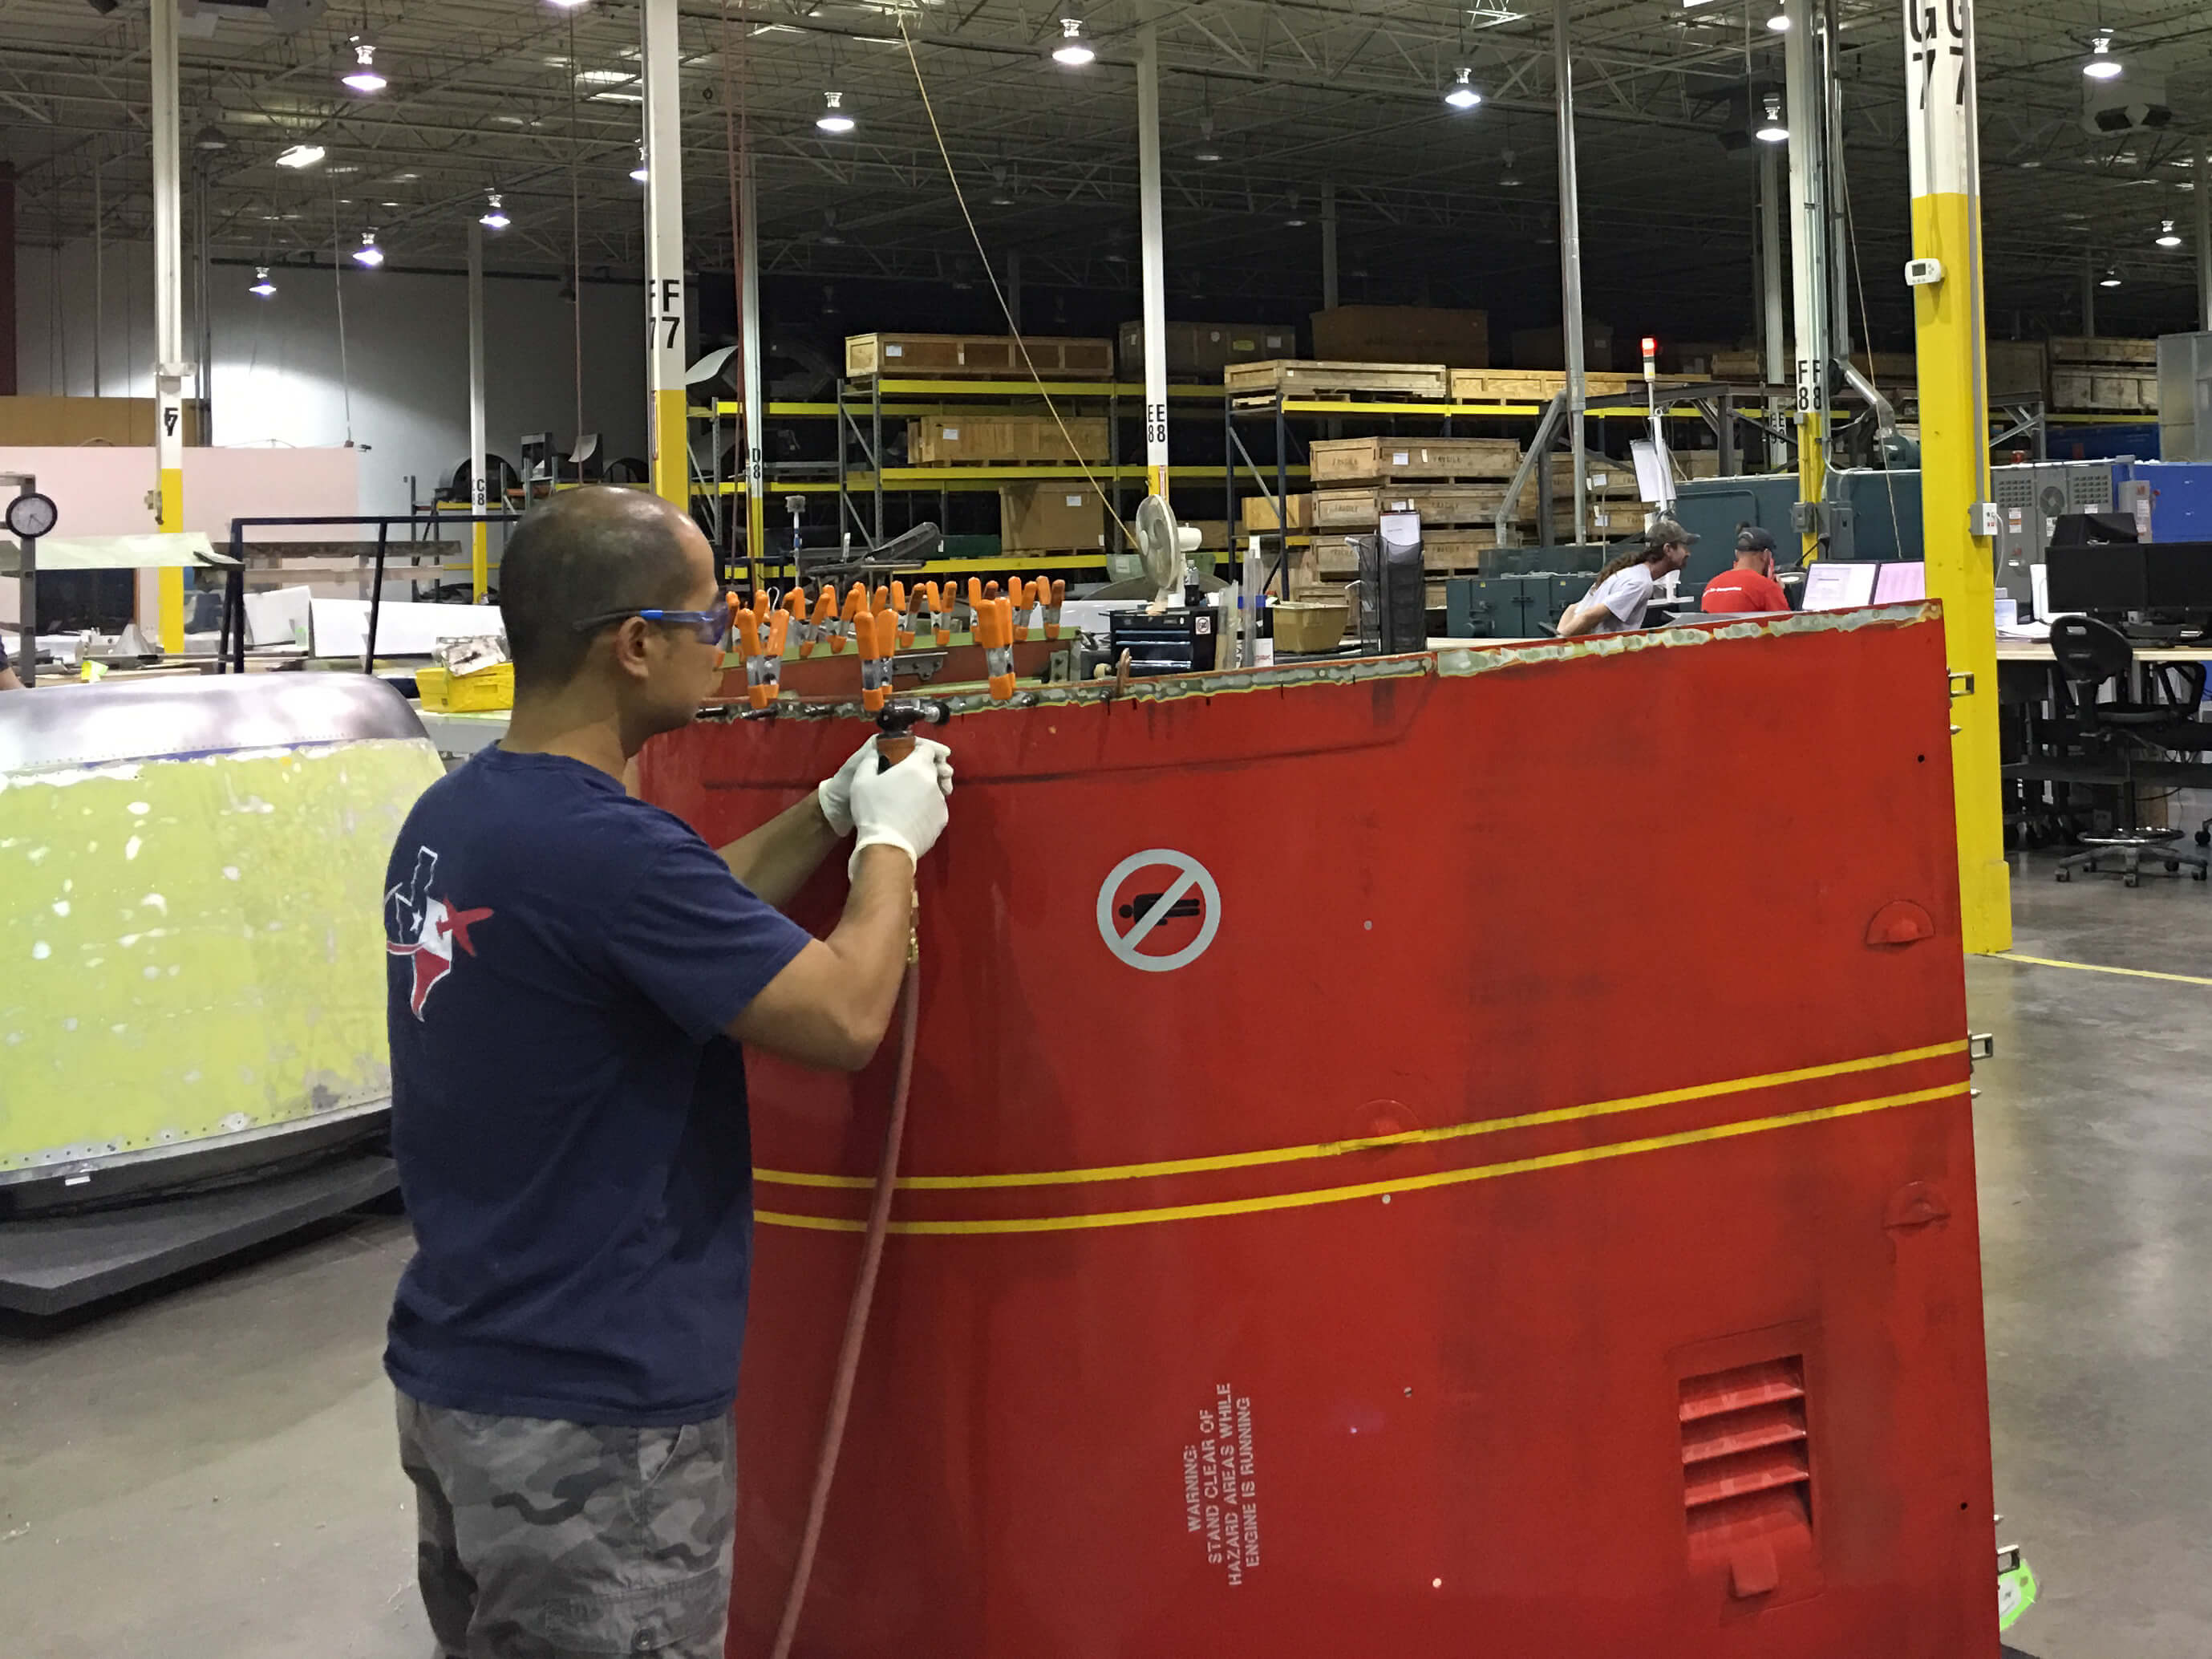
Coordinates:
<point>1774,358</point>
<point>755,437</point>
<point>169,365</point>
<point>1954,444</point>
<point>1155,266</point>
<point>2203,195</point>
<point>1808,255</point>
<point>479,483</point>
<point>670,448</point>
<point>1570,264</point>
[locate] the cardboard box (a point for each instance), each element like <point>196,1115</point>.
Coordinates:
<point>1546,348</point>
<point>1308,625</point>
<point>1738,368</point>
<point>1402,334</point>
<point>120,422</point>
<point>1050,518</point>
<point>1200,351</point>
<point>972,439</point>
<point>1257,513</point>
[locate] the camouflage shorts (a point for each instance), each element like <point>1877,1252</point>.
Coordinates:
<point>540,1539</point>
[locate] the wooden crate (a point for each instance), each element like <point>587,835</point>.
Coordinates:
<point>977,356</point>
<point>1392,460</point>
<point>1438,504</point>
<point>963,439</point>
<point>2104,349</point>
<point>2096,390</point>
<point>1531,386</point>
<point>1323,587</point>
<point>1258,513</point>
<point>1443,550</point>
<point>1294,379</point>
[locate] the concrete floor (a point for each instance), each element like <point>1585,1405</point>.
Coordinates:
<point>210,1475</point>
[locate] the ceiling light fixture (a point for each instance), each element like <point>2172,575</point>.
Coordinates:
<point>1072,50</point>
<point>833,118</point>
<point>495,215</point>
<point>209,137</point>
<point>639,171</point>
<point>1462,94</point>
<point>2167,238</point>
<point>301,156</point>
<point>263,288</point>
<point>2101,64</point>
<point>1207,151</point>
<point>1780,23</point>
<point>2110,279</point>
<point>1511,178</point>
<point>570,5</point>
<point>368,253</point>
<point>363,77</point>
<point>1774,132</point>
<point>1294,220</point>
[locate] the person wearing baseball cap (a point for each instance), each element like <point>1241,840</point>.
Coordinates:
<point>1622,592</point>
<point>1750,586</point>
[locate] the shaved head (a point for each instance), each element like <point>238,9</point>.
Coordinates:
<point>585,553</point>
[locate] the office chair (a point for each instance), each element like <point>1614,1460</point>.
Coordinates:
<point>2091,654</point>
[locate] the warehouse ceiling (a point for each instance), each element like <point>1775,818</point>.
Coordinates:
<point>1265,105</point>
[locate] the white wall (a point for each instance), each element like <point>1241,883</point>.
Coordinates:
<point>278,378</point>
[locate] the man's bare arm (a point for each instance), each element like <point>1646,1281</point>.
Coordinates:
<point>832,1003</point>
<point>776,859</point>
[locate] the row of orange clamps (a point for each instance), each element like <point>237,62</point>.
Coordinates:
<point>890,621</point>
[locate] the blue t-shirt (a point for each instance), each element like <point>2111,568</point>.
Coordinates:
<point>569,1120</point>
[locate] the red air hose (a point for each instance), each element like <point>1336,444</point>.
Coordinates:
<point>856,1318</point>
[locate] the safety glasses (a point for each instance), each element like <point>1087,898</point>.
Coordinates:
<point>708,627</point>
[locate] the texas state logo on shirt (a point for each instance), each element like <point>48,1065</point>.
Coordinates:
<point>422,925</point>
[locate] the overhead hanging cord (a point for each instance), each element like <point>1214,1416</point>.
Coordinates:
<point>337,287</point>
<point>991,275</point>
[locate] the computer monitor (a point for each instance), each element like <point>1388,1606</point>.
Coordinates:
<point>2108,578</point>
<point>2088,529</point>
<point>1838,584</point>
<point>1900,583</point>
<point>2177,575</point>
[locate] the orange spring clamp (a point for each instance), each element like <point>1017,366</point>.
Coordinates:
<point>1020,597</point>
<point>1052,595</point>
<point>764,655</point>
<point>878,637</point>
<point>975,609</point>
<point>899,597</point>
<point>995,634</point>
<point>794,606</point>
<point>856,604</point>
<point>824,625</point>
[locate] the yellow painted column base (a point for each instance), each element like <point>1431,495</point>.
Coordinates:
<point>1961,573</point>
<point>170,616</point>
<point>672,449</point>
<point>479,562</point>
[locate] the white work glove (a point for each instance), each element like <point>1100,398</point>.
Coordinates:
<point>903,807</point>
<point>835,794</point>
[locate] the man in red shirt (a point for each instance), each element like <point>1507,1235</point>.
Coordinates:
<point>1751,585</point>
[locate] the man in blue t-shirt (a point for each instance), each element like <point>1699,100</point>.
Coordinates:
<point>571,974</point>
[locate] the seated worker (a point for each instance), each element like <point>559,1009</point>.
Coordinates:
<point>1622,592</point>
<point>1751,585</point>
<point>575,974</point>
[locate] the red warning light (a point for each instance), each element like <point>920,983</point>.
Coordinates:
<point>1650,346</point>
